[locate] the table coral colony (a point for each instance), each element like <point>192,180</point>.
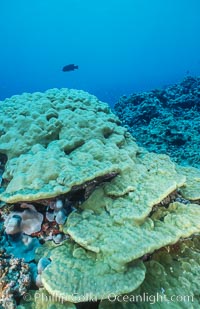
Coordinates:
<point>110,217</point>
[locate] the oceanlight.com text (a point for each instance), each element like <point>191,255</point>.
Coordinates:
<point>152,299</point>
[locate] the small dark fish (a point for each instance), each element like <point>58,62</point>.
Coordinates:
<point>69,67</point>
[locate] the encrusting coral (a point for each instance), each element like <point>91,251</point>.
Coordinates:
<point>111,203</point>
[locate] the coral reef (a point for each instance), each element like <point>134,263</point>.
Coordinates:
<point>61,140</point>
<point>15,280</point>
<point>172,280</point>
<point>84,205</point>
<point>166,120</point>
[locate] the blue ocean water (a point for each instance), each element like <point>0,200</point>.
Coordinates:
<point>120,46</point>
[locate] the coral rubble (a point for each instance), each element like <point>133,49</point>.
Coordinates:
<point>166,120</point>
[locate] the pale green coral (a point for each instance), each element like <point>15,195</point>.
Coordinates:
<point>46,173</point>
<point>78,275</point>
<point>49,116</point>
<point>172,280</point>
<point>143,176</point>
<point>62,140</point>
<point>121,243</point>
<point>143,184</point>
<point>191,188</point>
